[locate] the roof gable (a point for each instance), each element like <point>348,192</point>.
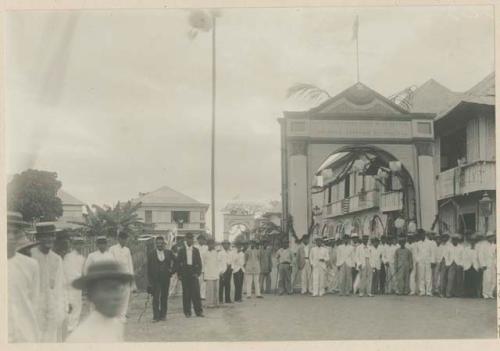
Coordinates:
<point>167,196</point>
<point>68,199</point>
<point>485,87</point>
<point>433,97</point>
<point>359,99</point>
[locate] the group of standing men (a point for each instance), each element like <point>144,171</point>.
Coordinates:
<point>44,305</point>
<point>206,273</point>
<point>422,264</point>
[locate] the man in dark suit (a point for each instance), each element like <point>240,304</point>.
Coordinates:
<point>160,267</point>
<point>189,269</point>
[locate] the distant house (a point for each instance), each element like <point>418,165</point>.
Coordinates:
<point>73,210</point>
<point>167,210</point>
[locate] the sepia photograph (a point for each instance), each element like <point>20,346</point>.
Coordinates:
<point>249,174</point>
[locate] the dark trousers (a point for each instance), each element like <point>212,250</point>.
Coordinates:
<point>265,280</point>
<point>191,292</point>
<point>238,285</point>
<point>225,286</point>
<point>382,279</point>
<point>472,280</point>
<point>443,278</point>
<point>376,282</point>
<point>452,280</point>
<point>160,299</point>
<point>459,286</point>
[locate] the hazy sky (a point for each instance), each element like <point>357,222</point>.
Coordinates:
<point>119,102</point>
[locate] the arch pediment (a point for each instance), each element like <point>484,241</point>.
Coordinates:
<point>358,99</point>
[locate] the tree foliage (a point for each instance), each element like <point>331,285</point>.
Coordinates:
<point>307,91</point>
<point>111,221</point>
<point>33,193</point>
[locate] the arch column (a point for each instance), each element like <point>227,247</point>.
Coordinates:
<point>426,184</point>
<point>298,187</point>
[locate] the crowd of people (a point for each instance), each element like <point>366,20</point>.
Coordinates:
<point>45,283</point>
<point>422,263</point>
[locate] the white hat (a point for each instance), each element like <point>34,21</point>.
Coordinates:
<point>354,235</point>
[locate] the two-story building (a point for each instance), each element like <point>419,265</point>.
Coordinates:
<point>464,160</point>
<point>166,210</point>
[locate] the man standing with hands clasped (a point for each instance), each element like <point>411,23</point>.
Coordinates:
<point>160,269</point>
<point>189,269</point>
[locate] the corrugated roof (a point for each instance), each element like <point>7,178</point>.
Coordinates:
<point>168,196</point>
<point>483,93</point>
<point>68,199</point>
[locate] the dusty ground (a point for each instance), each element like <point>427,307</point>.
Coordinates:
<point>329,317</point>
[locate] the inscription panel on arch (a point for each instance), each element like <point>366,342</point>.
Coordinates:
<point>360,129</point>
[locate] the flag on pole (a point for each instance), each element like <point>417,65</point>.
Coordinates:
<point>355,28</point>
<point>201,21</point>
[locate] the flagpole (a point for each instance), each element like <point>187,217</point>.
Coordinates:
<point>357,54</point>
<point>213,128</point>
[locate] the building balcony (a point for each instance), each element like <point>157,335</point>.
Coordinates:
<point>391,201</point>
<point>476,176</point>
<point>359,202</point>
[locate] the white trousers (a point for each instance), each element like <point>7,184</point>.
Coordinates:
<point>424,278</point>
<point>306,278</point>
<point>319,280</point>
<point>489,282</point>
<point>252,278</point>
<point>413,280</point>
<point>203,285</point>
<point>75,300</point>
<point>124,308</point>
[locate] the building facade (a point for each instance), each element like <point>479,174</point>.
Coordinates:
<point>464,161</point>
<point>73,211</point>
<point>361,163</point>
<point>166,210</point>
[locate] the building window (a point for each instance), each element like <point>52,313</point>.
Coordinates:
<point>202,225</point>
<point>148,216</point>
<point>347,186</point>
<point>453,148</point>
<point>180,217</point>
<point>202,216</point>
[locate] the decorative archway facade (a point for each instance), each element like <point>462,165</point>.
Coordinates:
<point>231,220</point>
<point>357,124</point>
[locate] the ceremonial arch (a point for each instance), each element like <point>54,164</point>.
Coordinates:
<point>355,164</point>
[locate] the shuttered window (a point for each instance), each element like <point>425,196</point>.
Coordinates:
<point>473,140</point>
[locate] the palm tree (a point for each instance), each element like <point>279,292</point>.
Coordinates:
<point>111,221</point>
<point>93,224</point>
<point>123,218</point>
<point>308,91</point>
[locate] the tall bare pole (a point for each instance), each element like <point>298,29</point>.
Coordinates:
<point>213,127</point>
<point>357,54</point>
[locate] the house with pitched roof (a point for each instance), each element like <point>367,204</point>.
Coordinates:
<point>73,210</point>
<point>464,160</point>
<point>166,210</point>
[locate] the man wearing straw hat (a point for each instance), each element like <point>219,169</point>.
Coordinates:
<point>23,284</point>
<point>52,307</point>
<point>106,282</point>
